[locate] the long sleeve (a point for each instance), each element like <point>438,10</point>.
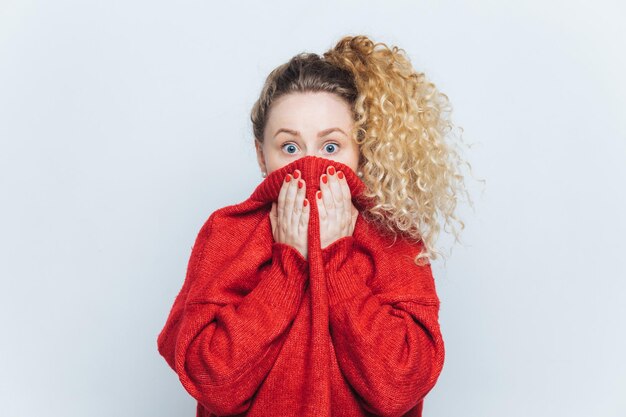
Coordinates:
<point>387,342</point>
<point>223,351</point>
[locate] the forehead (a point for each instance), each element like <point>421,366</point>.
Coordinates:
<point>309,110</point>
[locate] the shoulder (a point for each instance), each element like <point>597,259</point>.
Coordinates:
<point>391,259</point>
<point>233,229</point>
<point>385,241</point>
<point>234,219</point>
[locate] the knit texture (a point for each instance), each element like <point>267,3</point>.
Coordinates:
<point>258,330</point>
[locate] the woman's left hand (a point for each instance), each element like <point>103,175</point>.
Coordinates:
<point>337,214</point>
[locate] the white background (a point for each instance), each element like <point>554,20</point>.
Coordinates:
<point>124,124</point>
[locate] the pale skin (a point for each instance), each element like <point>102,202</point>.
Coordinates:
<point>302,124</point>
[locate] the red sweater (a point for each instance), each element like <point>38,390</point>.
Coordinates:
<point>258,330</point>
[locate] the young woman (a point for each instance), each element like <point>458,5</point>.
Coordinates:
<point>315,296</point>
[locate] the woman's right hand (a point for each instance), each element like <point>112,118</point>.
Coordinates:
<point>290,217</point>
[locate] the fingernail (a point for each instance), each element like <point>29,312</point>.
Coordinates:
<point>318,194</point>
<point>340,175</point>
<point>324,178</point>
<point>305,202</point>
<point>331,170</point>
<point>288,178</point>
<point>300,183</point>
<point>296,174</point>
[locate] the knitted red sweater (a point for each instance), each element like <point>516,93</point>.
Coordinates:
<point>258,330</point>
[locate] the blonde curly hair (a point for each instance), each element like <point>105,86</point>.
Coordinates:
<point>402,125</point>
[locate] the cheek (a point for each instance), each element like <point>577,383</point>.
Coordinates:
<point>277,161</point>
<point>349,161</point>
<point>354,158</point>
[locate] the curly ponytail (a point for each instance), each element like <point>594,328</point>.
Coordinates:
<point>401,126</point>
<point>402,123</point>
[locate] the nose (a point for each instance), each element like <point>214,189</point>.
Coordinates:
<point>309,152</point>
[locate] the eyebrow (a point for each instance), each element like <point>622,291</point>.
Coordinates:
<point>319,135</point>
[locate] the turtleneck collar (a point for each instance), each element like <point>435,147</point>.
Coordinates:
<point>311,167</point>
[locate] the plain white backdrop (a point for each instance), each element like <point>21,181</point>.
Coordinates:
<point>124,124</point>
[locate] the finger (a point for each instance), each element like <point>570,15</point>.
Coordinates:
<point>327,198</point>
<point>304,218</point>
<point>298,203</point>
<point>273,218</point>
<point>283,211</point>
<point>355,215</point>
<point>321,209</point>
<point>336,191</point>
<point>281,197</point>
<point>345,188</point>
<point>342,218</point>
<point>273,213</point>
<point>346,196</point>
<point>290,198</point>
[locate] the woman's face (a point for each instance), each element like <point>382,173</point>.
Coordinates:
<point>303,124</point>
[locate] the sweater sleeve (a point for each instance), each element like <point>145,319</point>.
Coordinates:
<point>388,345</point>
<point>223,352</point>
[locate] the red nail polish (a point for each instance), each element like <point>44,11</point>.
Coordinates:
<point>331,170</point>
<point>288,178</point>
<point>296,174</point>
<point>305,202</point>
<point>324,179</point>
<point>300,183</point>
<point>340,175</point>
<point>318,194</point>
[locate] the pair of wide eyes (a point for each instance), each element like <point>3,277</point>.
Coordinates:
<point>293,147</point>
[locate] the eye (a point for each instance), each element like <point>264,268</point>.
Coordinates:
<point>331,146</point>
<point>290,147</point>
